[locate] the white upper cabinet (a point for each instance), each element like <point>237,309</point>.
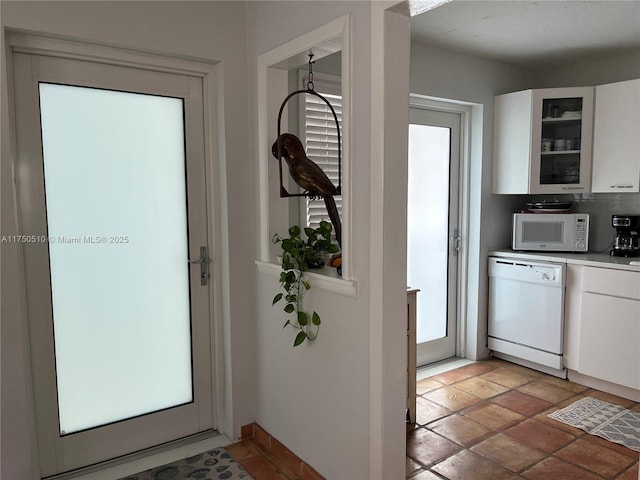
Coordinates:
<point>542,141</point>
<point>616,138</point>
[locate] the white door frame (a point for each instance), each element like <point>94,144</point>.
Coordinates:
<point>211,76</point>
<point>442,348</point>
<point>464,110</point>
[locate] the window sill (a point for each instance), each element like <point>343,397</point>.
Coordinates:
<point>324,278</point>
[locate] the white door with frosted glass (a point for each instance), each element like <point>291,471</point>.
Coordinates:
<point>432,238</point>
<point>112,195</point>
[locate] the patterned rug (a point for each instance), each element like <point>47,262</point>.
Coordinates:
<point>215,464</point>
<point>604,419</point>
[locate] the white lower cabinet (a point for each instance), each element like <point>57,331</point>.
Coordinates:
<point>603,325</point>
<point>572,297</point>
<point>610,338</point>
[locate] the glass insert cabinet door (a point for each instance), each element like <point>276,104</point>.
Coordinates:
<point>561,140</point>
<point>112,190</point>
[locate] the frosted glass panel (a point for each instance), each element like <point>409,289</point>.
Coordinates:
<point>114,169</point>
<point>428,224</point>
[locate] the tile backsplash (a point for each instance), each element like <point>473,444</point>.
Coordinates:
<point>600,207</point>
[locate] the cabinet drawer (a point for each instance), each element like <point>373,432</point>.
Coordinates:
<point>607,281</point>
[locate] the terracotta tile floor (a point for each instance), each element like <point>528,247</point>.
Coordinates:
<point>488,420</point>
<point>265,458</point>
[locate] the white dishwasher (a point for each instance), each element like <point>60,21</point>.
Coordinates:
<point>526,313</point>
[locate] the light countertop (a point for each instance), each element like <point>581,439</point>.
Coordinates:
<point>602,260</point>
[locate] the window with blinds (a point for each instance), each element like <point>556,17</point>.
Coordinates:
<point>320,138</point>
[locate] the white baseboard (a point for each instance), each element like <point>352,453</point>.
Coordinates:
<point>612,388</point>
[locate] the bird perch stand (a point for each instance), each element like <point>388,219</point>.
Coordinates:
<point>308,91</point>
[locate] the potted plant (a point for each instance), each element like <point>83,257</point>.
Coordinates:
<point>298,255</point>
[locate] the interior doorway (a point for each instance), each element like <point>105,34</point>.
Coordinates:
<point>434,238</point>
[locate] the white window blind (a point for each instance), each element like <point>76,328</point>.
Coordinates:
<point>320,138</point>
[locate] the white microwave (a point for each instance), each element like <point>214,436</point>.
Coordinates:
<point>551,232</point>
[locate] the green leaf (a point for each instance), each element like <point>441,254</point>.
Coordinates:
<point>289,308</point>
<point>288,322</point>
<point>287,245</point>
<point>306,285</point>
<point>315,319</point>
<point>325,227</point>
<point>294,230</point>
<point>308,231</point>
<point>277,298</point>
<point>303,318</point>
<point>301,337</point>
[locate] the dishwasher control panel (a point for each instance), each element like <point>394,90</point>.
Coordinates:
<point>544,274</point>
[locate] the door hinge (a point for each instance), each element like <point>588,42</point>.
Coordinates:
<point>204,261</point>
<point>456,242</point>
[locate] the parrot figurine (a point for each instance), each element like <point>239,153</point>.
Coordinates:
<point>309,176</point>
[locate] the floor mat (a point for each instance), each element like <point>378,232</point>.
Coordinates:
<point>215,464</point>
<point>604,419</point>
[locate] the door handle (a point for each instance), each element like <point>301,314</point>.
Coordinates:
<point>204,265</point>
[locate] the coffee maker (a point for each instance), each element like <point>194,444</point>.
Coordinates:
<point>627,242</point>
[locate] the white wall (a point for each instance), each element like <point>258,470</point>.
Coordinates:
<point>207,31</point>
<point>613,68</point>
<point>313,398</point>
<point>317,398</point>
<point>446,74</point>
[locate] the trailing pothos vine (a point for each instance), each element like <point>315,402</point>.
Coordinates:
<point>298,255</point>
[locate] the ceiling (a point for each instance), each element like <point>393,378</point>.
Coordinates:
<point>531,34</point>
